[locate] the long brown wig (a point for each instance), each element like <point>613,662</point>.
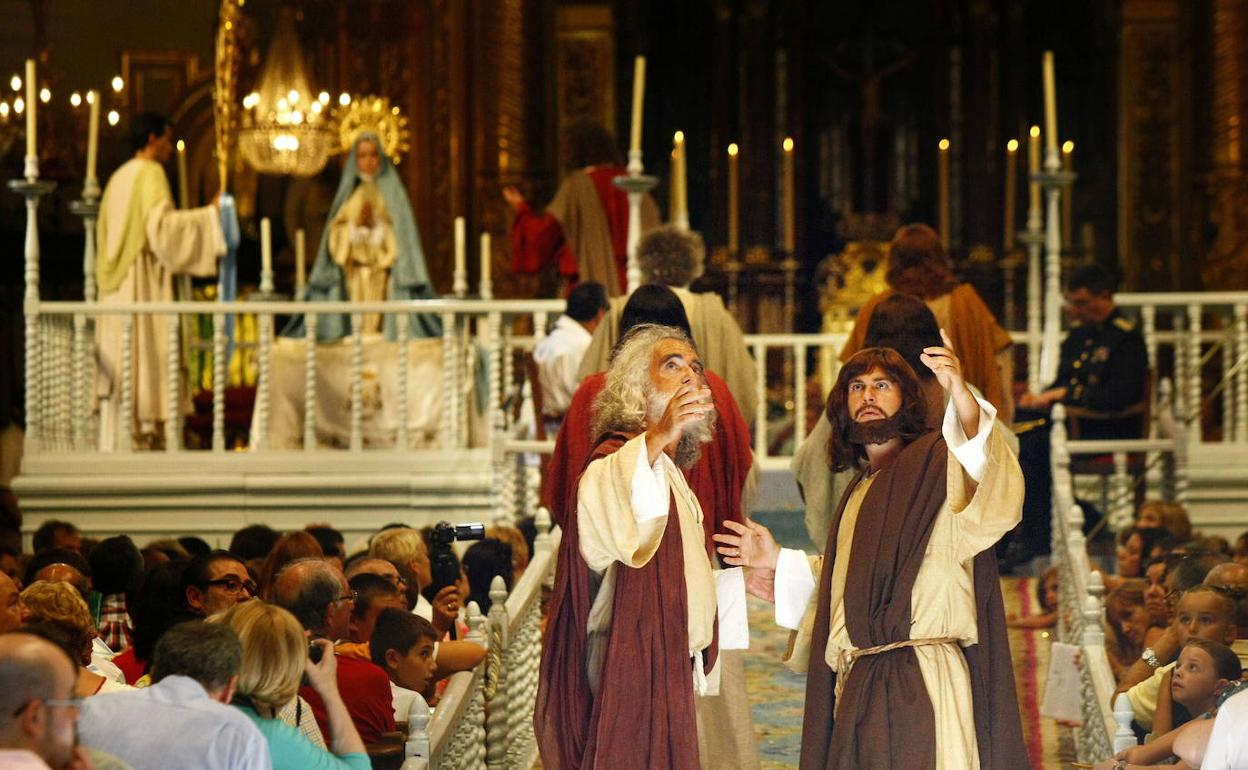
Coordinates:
<point>917,263</point>
<point>912,415</point>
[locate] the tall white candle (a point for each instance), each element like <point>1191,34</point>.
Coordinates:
<point>301,256</point>
<point>32,101</point>
<point>461,257</point>
<point>681,210</point>
<point>266,248</point>
<point>1050,102</point>
<point>790,240</point>
<point>639,95</point>
<point>93,134</point>
<point>733,197</point>
<point>1011,191</point>
<point>1033,167</point>
<point>184,194</point>
<point>942,191</point>
<point>487,287</point>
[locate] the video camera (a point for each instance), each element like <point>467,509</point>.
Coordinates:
<point>443,564</point>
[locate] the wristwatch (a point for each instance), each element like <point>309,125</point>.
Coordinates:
<point>1120,764</point>
<point>1150,657</point>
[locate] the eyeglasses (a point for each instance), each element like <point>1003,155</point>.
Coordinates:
<point>66,703</point>
<point>349,596</point>
<point>234,585</point>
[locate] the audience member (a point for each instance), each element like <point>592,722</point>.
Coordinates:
<point>116,565</point>
<point>1135,547</point>
<point>521,554</point>
<point>171,547</point>
<point>12,611</point>
<point>1129,624</point>
<point>1166,515</point>
<point>483,561</point>
<point>289,547</point>
<point>1232,578</point>
<point>317,594</point>
<point>37,708</point>
<point>194,672</point>
<point>332,543</point>
<point>60,604</point>
<point>405,548</point>
<point>1241,550</point>
<point>371,565</point>
<point>1156,570</point>
<point>527,525</point>
<point>253,542</point>
<point>275,657</point>
<point>403,645</point>
<point>215,582</point>
<point>60,564</point>
<point>156,604</point>
<point>373,594</point>
<point>195,546</point>
<point>55,534</point>
<point>558,355</point>
<point>10,563</point>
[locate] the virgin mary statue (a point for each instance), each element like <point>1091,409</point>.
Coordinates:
<point>370,250</point>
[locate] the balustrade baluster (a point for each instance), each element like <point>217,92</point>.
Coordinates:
<point>1228,389</point>
<point>173,395</point>
<point>309,382</point>
<point>357,382</point>
<point>264,380</point>
<point>1241,373</point>
<point>219,381</point>
<point>81,408</point>
<point>1193,384</point>
<point>125,427</point>
<point>401,441</point>
<point>760,410</point>
<point>447,424</point>
<point>799,386</point>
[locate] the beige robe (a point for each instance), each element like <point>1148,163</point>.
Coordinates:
<point>177,243</point>
<point>365,254</point>
<point>611,535</point>
<point>716,334</point>
<point>972,519</point>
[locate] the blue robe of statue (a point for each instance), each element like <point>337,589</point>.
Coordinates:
<point>409,278</point>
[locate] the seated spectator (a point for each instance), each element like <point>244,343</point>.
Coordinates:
<point>289,547</point>
<point>195,546</point>
<point>194,672</point>
<point>332,543</point>
<point>369,565</point>
<point>253,542</point>
<point>170,547</point>
<point>1155,573</point>
<point>12,611</point>
<point>9,562</point>
<point>37,709</point>
<point>215,582</point>
<point>1130,625</point>
<point>406,550</point>
<point>373,594</point>
<point>1163,514</point>
<point>558,355</point>
<point>116,565</point>
<point>317,594</point>
<point>54,534</point>
<point>1240,552</point>
<point>1233,579</point>
<point>59,564</point>
<point>521,554</point>
<point>60,604</point>
<point>403,644</point>
<point>483,561</point>
<point>274,660</point>
<point>1203,612</point>
<point>1046,598</point>
<point>1135,547</point>
<point>156,604</point>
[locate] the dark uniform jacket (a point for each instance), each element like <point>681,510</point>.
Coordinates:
<point>1103,367</point>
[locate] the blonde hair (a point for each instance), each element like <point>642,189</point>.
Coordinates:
<point>1173,517</point>
<point>514,538</point>
<point>60,603</point>
<point>399,545</point>
<point>274,651</point>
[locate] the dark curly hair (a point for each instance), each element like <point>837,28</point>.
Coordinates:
<point>590,144</point>
<point>917,263</point>
<point>843,455</point>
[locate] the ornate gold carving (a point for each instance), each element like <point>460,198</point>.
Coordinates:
<point>376,115</point>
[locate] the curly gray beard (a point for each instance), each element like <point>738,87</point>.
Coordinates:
<point>695,434</point>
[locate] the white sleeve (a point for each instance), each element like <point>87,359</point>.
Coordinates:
<point>649,492</point>
<point>734,625</point>
<point>1228,748</point>
<point>972,453</point>
<point>794,586</point>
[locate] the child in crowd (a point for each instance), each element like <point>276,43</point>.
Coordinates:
<point>403,644</point>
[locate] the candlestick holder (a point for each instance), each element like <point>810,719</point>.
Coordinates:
<point>32,189</point>
<point>88,210</point>
<point>459,286</point>
<point>636,184</point>
<point>1053,178</point>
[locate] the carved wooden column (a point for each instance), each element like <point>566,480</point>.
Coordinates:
<point>1226,185</point>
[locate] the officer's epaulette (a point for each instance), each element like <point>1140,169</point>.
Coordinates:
<point>1126,324</point>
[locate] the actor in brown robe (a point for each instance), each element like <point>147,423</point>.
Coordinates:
<point>633,633</point>
<point>908,660</point>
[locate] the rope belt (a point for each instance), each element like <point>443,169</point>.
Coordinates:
<point>845,658</point>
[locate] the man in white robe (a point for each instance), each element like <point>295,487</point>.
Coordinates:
<point>142,242</point>
<point>909,580</point>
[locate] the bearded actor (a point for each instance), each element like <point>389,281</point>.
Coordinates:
<point>633,633</point>
<point>903,634</point>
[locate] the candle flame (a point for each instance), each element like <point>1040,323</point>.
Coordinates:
<point>90,97</point>
<point>788,144</point>
<point>16,83</point>
<point>118,83</point>
<point>75,99</point>
<point>732,150</point>
<point>45,95</point>
<point>1011,146</point>
<point>344,98</point>
<point>113,117</point>
<point>19,104</point>
<point>1068,147</point>
<point>181,146</point>
<point>4,110</point>
<point>323,98</point>
<point>1035,132</point>
<point>678,137</point>
<point>943,145</point>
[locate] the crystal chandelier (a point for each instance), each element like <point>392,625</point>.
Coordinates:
<point>285,127</point>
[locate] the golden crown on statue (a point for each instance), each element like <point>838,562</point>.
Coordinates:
<point>373,114</point>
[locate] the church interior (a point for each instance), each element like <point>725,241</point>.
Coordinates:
<point>325,305</point>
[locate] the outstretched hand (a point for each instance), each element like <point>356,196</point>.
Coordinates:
<point>944,364</point>
<point>752,546</point>
<point>513,196</point>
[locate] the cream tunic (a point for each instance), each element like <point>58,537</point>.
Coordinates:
<point>974,517</point>
<point>364,252</point>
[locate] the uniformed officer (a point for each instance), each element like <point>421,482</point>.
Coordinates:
<point>1103,367</point>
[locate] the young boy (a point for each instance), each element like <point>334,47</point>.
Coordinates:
<point>403,645</point>
<point>1203,612</point>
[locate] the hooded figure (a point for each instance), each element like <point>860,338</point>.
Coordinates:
<point>370,216</point>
